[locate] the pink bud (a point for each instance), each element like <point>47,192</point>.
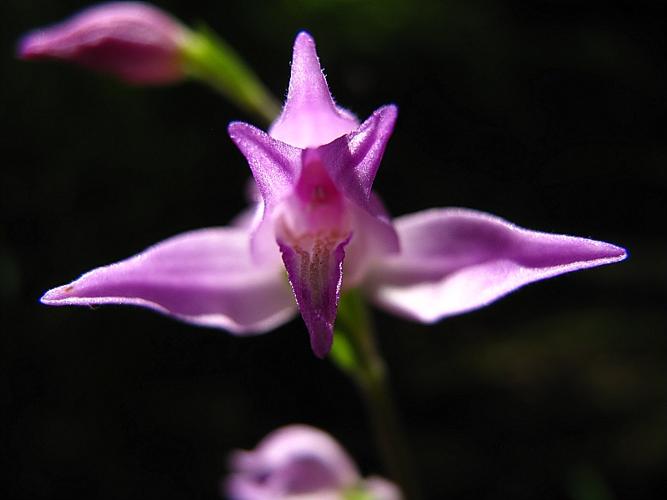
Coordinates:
<point>134,41</point>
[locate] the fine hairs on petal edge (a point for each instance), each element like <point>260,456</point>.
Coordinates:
<point>457,260</point>
<point>205,277</point>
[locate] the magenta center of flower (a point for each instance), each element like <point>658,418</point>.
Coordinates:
<point>314,222</point>
<point>316,205</point>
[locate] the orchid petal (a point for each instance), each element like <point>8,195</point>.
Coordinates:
<point>314,267</point>
<point>353,160</point>
<point>205,277</point>
<point>310,116</point>
<point>294,460</point>
<point>274,165</point>
<point>457,260</point>
<point>374,237</point>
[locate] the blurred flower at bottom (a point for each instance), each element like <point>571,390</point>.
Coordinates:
<point>300,462</point>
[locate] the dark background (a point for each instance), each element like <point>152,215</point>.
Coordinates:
<point>548,113</point>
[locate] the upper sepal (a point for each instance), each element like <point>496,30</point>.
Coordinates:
<point>310,117</point>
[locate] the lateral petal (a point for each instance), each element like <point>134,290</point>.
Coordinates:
<point>456,260</point>
<point>205,277</point>
<point>274,164</point>
<point>353,160</point>
<point>310,117</point>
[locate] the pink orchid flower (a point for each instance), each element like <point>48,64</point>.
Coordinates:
<point>299,462</point>
<point>133,41</point>
<point>319,226</point>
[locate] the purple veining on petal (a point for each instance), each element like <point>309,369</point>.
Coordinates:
<point>456,260</point>
<point>205,277</point>
<point>134,41</point>
<point>310,117</point>
<point>312,228</point>
<point>314,266</point>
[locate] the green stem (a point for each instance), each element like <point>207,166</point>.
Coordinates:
<point>355,351</point>
<point>208,58</point>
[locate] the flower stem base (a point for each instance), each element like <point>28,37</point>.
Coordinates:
<point>355,352</point>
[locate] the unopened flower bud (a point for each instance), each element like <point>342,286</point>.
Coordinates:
<point>134,41</point>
